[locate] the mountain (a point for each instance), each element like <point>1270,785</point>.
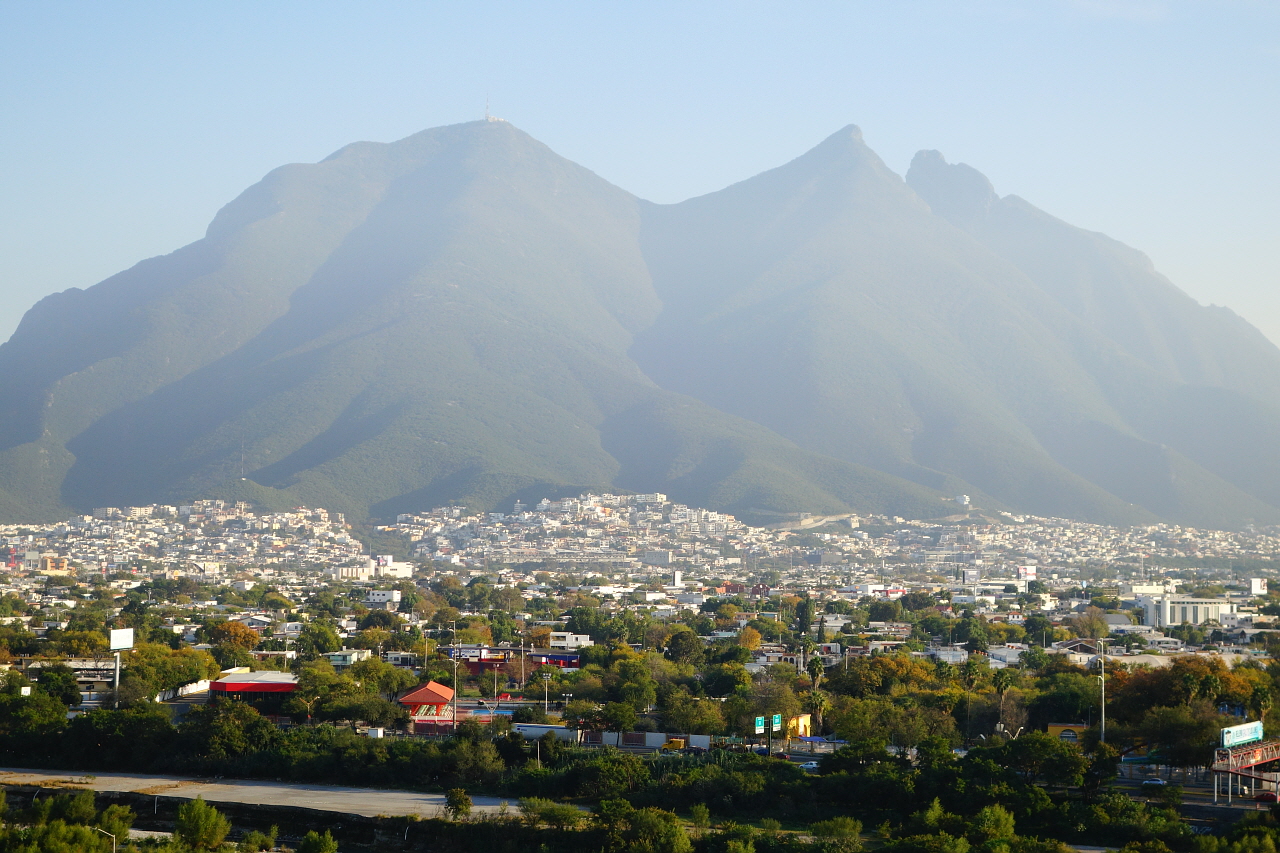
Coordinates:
<point>464,315</point>
<point>443,318</point>
<point>935,331</point>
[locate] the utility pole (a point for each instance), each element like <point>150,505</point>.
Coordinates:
<point>546,701</point>
<point>454,642</point>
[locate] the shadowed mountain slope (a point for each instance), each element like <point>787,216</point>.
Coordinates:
<point>442,318</point>
<point>870,319</point>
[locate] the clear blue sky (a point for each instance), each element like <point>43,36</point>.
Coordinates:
<point>125,126</point>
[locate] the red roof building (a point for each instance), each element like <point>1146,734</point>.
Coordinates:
<point>430,708</point>
<point>238,684</point>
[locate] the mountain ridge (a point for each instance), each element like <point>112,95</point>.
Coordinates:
<point>465,315</point>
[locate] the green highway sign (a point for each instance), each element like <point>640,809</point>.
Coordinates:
<point>759,725</point>
<point>777,721</point>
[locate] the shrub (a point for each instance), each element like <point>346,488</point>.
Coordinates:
<point>314,842</point>
<point>201,826</point>
<point>457,804</point>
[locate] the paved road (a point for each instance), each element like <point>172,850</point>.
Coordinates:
<point>363,801</point>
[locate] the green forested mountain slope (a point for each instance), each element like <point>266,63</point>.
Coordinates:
<point>464,315</point>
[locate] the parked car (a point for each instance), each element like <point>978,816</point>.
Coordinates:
<point>811,766</point>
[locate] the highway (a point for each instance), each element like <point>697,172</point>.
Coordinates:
<point>369,802</point>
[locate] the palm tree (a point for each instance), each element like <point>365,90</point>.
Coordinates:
<point>1002,680</point>
<point>817,703</point>
<point>1260,701</point>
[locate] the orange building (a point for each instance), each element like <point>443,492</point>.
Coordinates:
<point>430,708</point>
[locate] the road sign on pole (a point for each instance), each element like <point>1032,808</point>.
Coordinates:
<point>759,725</point>
<point>777,721</point>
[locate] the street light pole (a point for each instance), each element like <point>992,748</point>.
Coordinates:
<point>112,837</point>
<point>1102,662</point>
<point>546,701</point>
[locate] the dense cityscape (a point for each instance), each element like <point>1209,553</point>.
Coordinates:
<point>583,632</point>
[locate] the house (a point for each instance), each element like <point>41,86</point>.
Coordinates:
<point>346,657</point>
<point>430,708</point>
<point>382,599</point>
<point>568,641</point>
<point>1078,646</point>
<point>1007,655</point>
<point>405,659</point>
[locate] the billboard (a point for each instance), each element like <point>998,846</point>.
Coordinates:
<point>121,639</point>
<point>1237,735</point>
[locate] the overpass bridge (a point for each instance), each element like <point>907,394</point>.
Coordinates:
<point>1238,763</point>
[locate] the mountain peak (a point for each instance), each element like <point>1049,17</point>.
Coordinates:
<point>956,191</point>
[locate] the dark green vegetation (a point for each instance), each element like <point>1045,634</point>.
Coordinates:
<point>463,315</point>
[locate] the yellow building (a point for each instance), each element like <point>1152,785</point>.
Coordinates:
<point>1070,732</point>
<point>800,726</point>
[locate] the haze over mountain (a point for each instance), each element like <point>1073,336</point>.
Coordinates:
<point>464,315</point>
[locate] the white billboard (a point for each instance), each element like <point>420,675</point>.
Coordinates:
<point>1237,735</point>
<point>121,638</point>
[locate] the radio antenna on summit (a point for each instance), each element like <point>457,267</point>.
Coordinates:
<point>486,108</point>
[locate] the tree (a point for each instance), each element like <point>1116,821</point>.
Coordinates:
<point>816,670</point>
<point>225,729</point>
<point>80,644</point>
<point>684,646</point>
<point>317,639</point>
<point>1002,680</point>
<point>384,619</point>
<point>457,804</point>
<point>1037,755</point>
<point>1091,623</point>
<point>816,703</point>
<point>804,615</point>
<point>749,638</point>
<point>59,681</point>
<point>700,818</point>
<point>201,826</point>
<point>619,717</point>
<point>314,842</point>
<point>993,823</point>
<point>233,634</point>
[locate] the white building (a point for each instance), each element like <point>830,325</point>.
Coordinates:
<point>569,642</point>
<point>1160,611</point>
